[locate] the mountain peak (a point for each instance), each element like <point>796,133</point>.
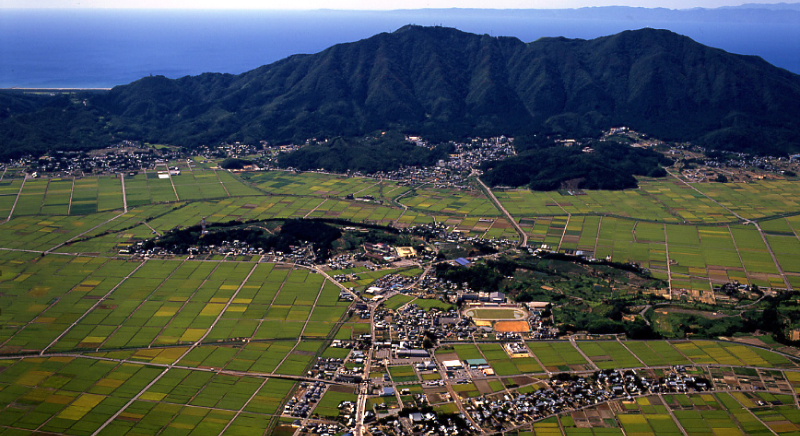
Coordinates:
<point>420,28</point>
<point>444,83</point>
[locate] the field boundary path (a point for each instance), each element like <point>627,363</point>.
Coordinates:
<point>315,208</point>
<point>173,364</point>
<point>169,176</point>
<point>672,415</point>
<point>575,345</point>
<point>774,258</point>
<point>499,206</point>
<point>19,194</point>
<point>397,202</point>
<point>669,263</point>
<point>124,197</point>
<point>222,183</point>
<point>88,311</point>
<point>746,221</point>
<point>71,194</point>
<point>83,233</point>
<point>241,409</point>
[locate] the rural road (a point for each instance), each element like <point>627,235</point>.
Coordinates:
<point>498,205</point>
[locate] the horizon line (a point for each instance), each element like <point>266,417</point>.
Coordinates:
<point>746,5</point>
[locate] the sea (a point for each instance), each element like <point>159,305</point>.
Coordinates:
<point>102,48</point>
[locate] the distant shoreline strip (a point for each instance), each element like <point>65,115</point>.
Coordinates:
<point>55,89</point>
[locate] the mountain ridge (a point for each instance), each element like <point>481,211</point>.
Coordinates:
<point>445,83</point>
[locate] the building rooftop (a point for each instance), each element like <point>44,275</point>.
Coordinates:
<point>462,261</point>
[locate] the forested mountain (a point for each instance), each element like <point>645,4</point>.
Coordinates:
<point>441,83</point>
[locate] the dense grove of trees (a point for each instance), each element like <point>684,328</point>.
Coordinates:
<point>387,152</point>
<point>480,277</point>
<point>233,163</point>
<point>292,232</point>
<point>544,166</point>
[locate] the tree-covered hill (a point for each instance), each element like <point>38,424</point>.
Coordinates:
<point>385,153</point>
<point>544,166</point>
<point>442,83</point>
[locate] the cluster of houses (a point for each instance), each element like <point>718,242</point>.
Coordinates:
<point>319,428</point>
<point>125,157</point>
<point>326,368</point>
<point>420,423</point>
<point>430,423</point>
<point>541,321</point>
<point>390,283</point>
<point>446,174</point>
<point>354,375</point>
<point>382,252</point>
<point>346,277</point>
<point>454,236</point>
<point>237,149</point>
<point>735,166</point>
<point>568,392</point>
<point>342,261</point>
<point>471,154</point>
<point>411,324</point>
<point>347,413</point>
<point>300,254</point>
<point>482,297</point>
<point>435,177</point>
<point>300,405</point>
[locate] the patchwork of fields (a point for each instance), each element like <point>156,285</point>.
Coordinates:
<point>650,227</point>
<point>691,236</point>
<point>157,344</point>
<point>149,344</point>
<point>671,415</point>
<point>94,343</point>
<point>87,195</point>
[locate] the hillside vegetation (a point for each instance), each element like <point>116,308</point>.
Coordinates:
<point>441,83</point>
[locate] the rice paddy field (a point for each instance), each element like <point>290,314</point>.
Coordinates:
<point>672,415</point>
<point>450,202</point>
<point>325,185</point>
<point>686,234</point>
<point>156,344</point>
<point>94,343</point>
<point>83,395</point>
<point>665,200</point>
<point>652,227</point>
<point>79,303</point>
<point>87,195</point>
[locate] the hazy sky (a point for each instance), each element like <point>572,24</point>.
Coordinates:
<point>365,4</point>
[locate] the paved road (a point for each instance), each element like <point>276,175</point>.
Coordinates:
<point>124,197</point>
<point>363,389</point>
<point>522,234</point>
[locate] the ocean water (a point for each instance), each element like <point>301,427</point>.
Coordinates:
<point>104,48</point>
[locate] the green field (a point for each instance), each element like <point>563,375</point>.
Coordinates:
<point>88,195</point>
<point>667,222</point>
<point>108,327</point>
<point>485,313</point>
<point>402,374</point>
<point>396,301</point>
<point>664,222</point>
<point>449,202</point>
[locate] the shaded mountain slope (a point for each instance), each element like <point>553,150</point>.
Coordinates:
<point>444,83</point>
